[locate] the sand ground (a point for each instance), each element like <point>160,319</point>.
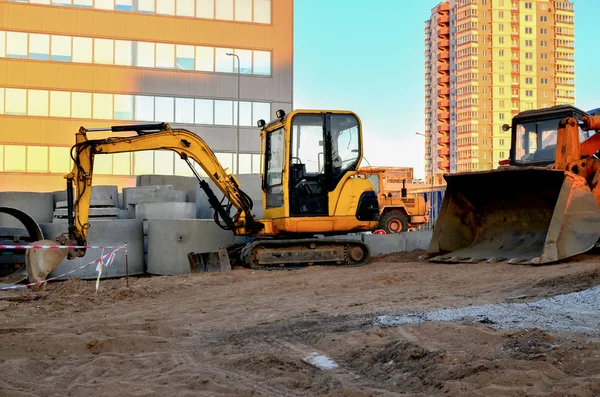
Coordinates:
<point>246,333</point>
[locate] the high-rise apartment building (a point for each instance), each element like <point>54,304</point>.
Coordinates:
<point>97,63</point>
<point>486,60</point>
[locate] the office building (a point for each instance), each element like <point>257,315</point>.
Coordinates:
<point>97,63</point>
<point>486,60</point>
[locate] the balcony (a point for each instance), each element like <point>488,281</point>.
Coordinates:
<point>443,67</point>
<point>443,151</point>
<point>443,115</point>
<point>443,32</point>
<point>444,128</point>
<point>444,79</point>
<point>444,43</point>
<point>444,165</point>
<point>443,55</point>
<point>443,19</point>
<point>443,103</point>
<point>443,139</point>
<point>443,91</point>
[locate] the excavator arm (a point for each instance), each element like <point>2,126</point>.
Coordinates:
<point>152,137</point>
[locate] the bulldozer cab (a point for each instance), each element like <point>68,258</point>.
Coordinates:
<point>534,134</point>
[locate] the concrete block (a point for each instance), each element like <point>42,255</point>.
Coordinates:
<point>250,184</point>
<point>417,240</point>
<point>94,212</point>
<point>152,194</point>
<point>123,214</point>
<point>37,205</point>
<point>385,243</point>
<point>102,196</point>
<point>102,233</point>
<point>186,183</point>
<point>166,210</point>
<point>169,242</point>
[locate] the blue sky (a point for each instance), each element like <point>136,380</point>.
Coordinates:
<point>368,57</point>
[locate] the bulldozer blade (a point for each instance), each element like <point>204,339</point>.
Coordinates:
<point>520,215</point>
<point>41,261</point>
<point>213,261</point>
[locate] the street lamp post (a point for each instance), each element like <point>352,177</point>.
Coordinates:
<point>237,139</point>
<point>433,200</point>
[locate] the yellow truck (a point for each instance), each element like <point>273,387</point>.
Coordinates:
<point>399,211</point>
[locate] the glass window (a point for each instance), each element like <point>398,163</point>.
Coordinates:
<point>123,107</point>
<point>103,106</point>
<point>166,7</point>
<point>60,104</point>
<point>1,100</point>
<point>185,8</point>
<point>256,163</point>
<point>123,52</point>
<point>16,45</point>
<point>165,55</point>
<point>1,157</point>
<point>145,54</point>
<point>82,49</point>
<point>245,163</point>
<point>262,63</point>
<point>205,58</point>
<point>185,57</point>
<point>124,5</point>
<point>262,11</point>
<point>39,1</point>
<point>59,159</point>
<point>16,101</point>
<point>184,110</point>
<point>2,44</point>
<point>163,162</point>
<point>62,2</point>
<point>60,48</point>
<point>345,143</point>
<point>261,110</point>
<point>223,113</point>
<point>14,158</point>
<point>226,160</point>
<point>224,62</point>
<point>144,108</point>
<point>81,105</point>
<point>307,142</point>
<point>37,159</point>
<point>245,61</point>
<point>164,109</point>
<point>103,51</point>
<point>245,113</point>
<point>243,10</point>
<point>121,163</point>
<point>204,111</point>
<point>104,4</point>
<point>205,9</point>
<point>37,103</point>
<point>143,162</point>
<point>145,6</point>
<point>224,9</point>
<point>103,164</point>
<point>39,46</point>
<point>83,3</point>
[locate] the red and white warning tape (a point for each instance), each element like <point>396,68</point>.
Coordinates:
<point>58,246</point>
<point>99,261</point>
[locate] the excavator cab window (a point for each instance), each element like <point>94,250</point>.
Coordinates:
<point>275,159</point>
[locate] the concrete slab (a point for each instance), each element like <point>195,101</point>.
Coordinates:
<point>417,240</point>
<point>385,243</point>
<point>102,233</point>
<point>169,242</point>
<point>37,205</point>
<point>102,196</point>
<point>166,210</point>
<point>63,212</point>
<point>249,183</point>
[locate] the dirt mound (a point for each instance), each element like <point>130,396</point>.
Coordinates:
<point>398,257</point>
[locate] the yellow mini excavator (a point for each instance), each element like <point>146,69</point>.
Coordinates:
<point>310,186</point>
<point>542,207</point>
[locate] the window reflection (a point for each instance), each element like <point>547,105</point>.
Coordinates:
<point>59,159</point>
<point>145,54</point>
<point>262,63</point>
<point>262,11</point>
<point>184,110</point>
<point>82,49</point>
<point>166,7</point>
<point>124,5</point>
<point>103,51</point>
<point>185,8</point>
<point>146,6</point>
<point>245,61</point>
<point>224,62</point>
<point>14,158</point>
<point>123,107</point>
<point>1,100</point>
<point>61,48</point>
<point>205,9</point>
<point>37,159</point>
<point>165,55</point>
<point>121,163</point>
<point>205,58</point>
<point>2,44</point>
<point>223,112</point>
<point>184,57</point>
<point>224,9</point>
<point>204,111</point>
<point>245,114</point>
<point>163,162</point>
<point>83,3</point>
<point>261,110</point>
<point>164,109</point>
<point>39,46</point>
<point>16,101</point>
<point>37,104</point>
<point>60,104</point>
<point>243,10</point>
<point>81,105</point>
<point>144,108</point>
<point>143,162</point>
<point>123,52</point>
<point>104,4</point>
<point>16,45</point>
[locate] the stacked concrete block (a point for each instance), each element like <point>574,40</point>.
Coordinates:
<point>186,183</point>
<point>170,241</point>
<point>104,204</point>
<point>249,183</point>
<point>389,243</point>
<point>39,206</point>
<point>104,233</point>
<point>150,194</point>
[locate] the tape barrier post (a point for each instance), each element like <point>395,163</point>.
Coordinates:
<point>111,256</point>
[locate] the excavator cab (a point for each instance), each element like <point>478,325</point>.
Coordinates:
<point>309,178</point>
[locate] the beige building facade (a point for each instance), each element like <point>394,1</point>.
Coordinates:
<point>98,63</point>
<point>486,60</point>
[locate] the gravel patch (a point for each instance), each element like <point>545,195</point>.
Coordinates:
<point>574,312</point>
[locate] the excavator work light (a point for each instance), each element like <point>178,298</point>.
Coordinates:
<point>261,123</point>
<point>280,114</point>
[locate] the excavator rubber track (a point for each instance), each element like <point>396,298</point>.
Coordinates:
<point>301,253</point>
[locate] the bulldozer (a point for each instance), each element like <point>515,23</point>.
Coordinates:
<point>539,207</point>
<point>310,187</point>
<point>398,212</point>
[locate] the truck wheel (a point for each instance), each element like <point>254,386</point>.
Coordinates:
<point>393,222</point>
